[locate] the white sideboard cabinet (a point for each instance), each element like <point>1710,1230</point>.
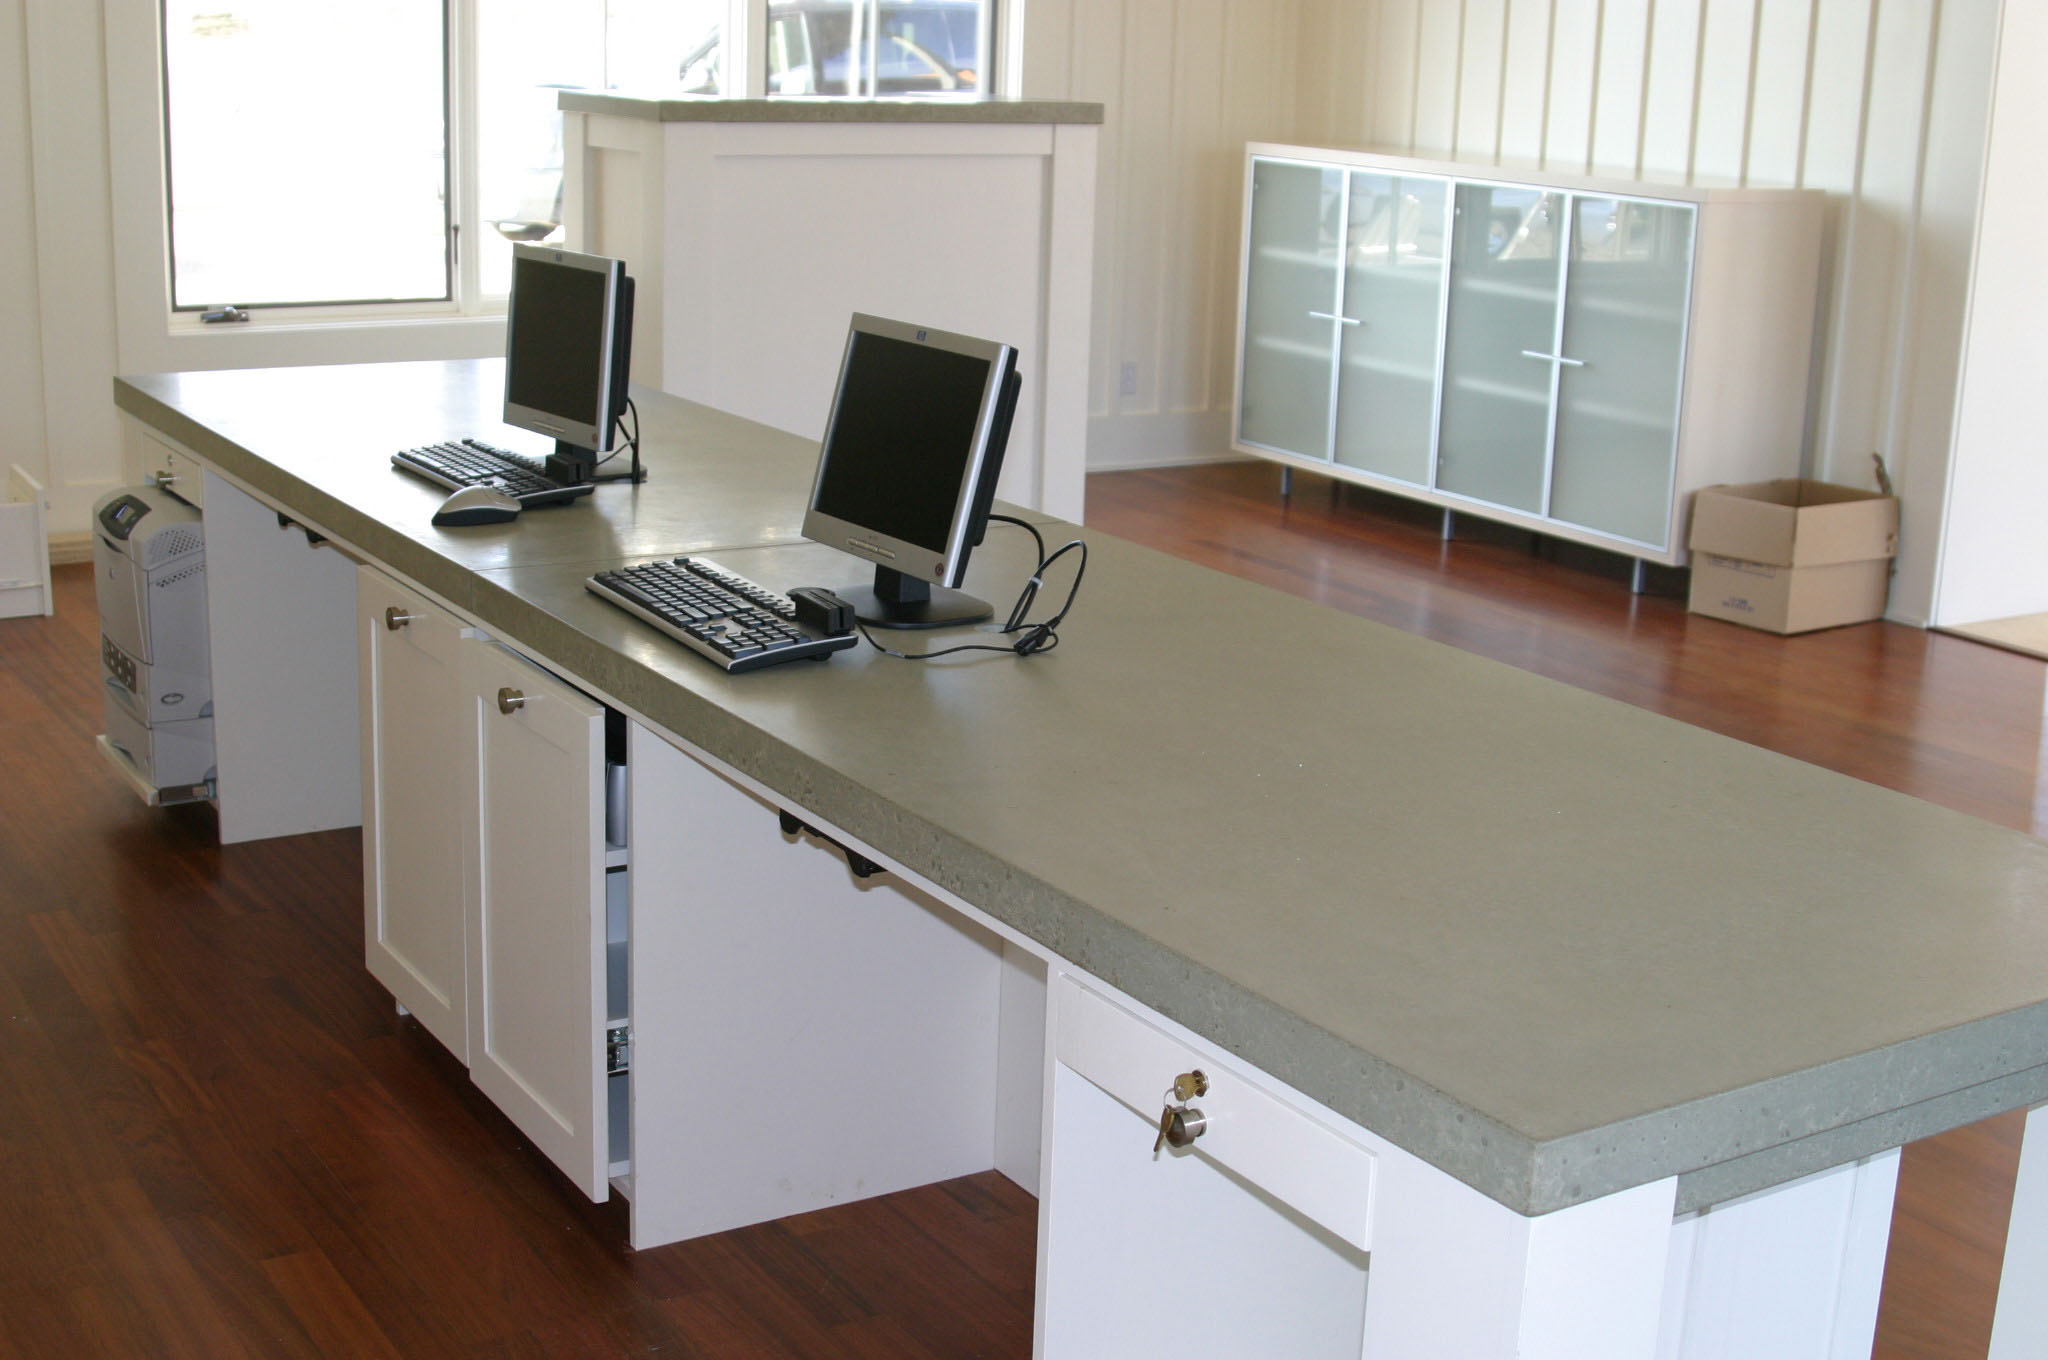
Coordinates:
<point>494,908</point>
<point>1571,355</point>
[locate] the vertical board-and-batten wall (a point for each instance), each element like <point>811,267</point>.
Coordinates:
<point>1184,85</point>
<point>1881,103</point>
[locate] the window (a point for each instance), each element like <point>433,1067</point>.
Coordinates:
<point>307,151</point>
<point>863,48</point>
<point>339,152</point>
<point>376,159</point>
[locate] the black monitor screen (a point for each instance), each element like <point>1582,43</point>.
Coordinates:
<point>901,438</point>
<point>554,354</point>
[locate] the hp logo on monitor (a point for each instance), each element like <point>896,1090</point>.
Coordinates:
<point>922,334</point>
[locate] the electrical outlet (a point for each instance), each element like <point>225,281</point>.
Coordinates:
<point>1127,380</point>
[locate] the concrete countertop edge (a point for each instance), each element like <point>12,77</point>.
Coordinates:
<point>1701,1142</point>
<point>827,109</point>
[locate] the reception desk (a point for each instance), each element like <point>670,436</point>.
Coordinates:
<point>755,227</point>
<point>1528,1023</point>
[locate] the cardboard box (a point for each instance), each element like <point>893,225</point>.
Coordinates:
<point>1791,556</point>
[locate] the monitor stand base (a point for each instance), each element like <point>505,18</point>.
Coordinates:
<point>899,601</point>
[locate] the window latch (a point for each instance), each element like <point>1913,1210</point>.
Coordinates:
<point>222,315</point>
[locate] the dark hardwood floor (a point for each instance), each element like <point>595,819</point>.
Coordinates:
<point>217,1139</point>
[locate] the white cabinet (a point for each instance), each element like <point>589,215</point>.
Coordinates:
<point>417,758</point>
<point>280,611</point>
<point>493,909</point>
<point>1253,1239</point>
<point>1570,355</point>
<point>538,1003</point>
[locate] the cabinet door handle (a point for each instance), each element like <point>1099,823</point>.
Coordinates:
<point>510,700</point>
<point>1553,358</point>
<point>396,618</point>
<point>1340,320</point>
<point>163,481</point>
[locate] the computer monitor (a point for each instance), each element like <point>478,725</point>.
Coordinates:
<point>908,466</point>
<point>568,348</point>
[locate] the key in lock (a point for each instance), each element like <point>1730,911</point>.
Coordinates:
<point>1180,1123</point>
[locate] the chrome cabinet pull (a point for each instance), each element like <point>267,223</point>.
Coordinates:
<point>510,700</point>
<point>1340,320</point>
<point>1553,358</point>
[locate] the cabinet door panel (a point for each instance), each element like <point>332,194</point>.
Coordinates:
<point>1617,421</point>
<point>537,935</point>
<point>416,751</point>
<point>1495,434</point>
<point>1290,273</point>
<point>1393,292</point>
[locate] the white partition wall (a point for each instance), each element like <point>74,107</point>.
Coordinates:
<point>1994,557</point>
<point>752,241</point>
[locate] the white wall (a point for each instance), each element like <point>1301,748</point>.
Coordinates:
<point>1184,85</point>
<point>21,350</point>
<point>57,280</point>
<point>1994,558</point>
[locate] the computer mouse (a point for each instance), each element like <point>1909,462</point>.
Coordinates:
<point>476,505</point>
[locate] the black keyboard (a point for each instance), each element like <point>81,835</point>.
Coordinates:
<point>471,462</point>
<point>737,624</point>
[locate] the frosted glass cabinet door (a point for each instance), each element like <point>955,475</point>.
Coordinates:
<point>1624,321</point>
<point>1291,273</point>
<point>1495,434</point>
<point>1393,291</point>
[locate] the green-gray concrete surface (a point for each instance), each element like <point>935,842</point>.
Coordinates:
<point>681,108</point>
<point>1552,944</point>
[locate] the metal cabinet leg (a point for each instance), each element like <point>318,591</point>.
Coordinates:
<point>1450,530</point>
<point>1635,585</point>
<point>1286,482</point>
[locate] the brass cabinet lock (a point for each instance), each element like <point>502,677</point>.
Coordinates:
<point>396,618</point>
<point>1181,1124</point>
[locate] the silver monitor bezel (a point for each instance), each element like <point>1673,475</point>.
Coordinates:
<point>594,436</point>
<point>912,559</point>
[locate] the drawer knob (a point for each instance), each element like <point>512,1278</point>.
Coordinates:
<point>510,700</point>
<point>396,618</point>
<point>163,481</point>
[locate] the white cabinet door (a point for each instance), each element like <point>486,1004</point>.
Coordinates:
<point>537,933</point>
<point>1627,296</point>
<point>417,754</point>
<point>1252,1241</point>
<point>280,612</point>
<point>1292,288</point>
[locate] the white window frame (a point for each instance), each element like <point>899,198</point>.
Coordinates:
<point>152,337</point>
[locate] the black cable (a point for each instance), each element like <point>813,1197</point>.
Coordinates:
<point>1037,637</point>
<point>632,442</point>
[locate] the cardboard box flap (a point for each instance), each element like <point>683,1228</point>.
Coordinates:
<point>1794,523</point>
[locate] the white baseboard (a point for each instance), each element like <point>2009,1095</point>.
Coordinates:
<point>1142,439</point>
<point>1137,462</point>
<point>66,549</point>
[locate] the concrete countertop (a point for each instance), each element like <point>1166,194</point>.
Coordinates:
<point>707,108</point>
<point>1552,944</point>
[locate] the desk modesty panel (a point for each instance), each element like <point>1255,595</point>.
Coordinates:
<point>1551,944</point>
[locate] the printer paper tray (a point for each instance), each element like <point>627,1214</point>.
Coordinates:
<point>146,791</point>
